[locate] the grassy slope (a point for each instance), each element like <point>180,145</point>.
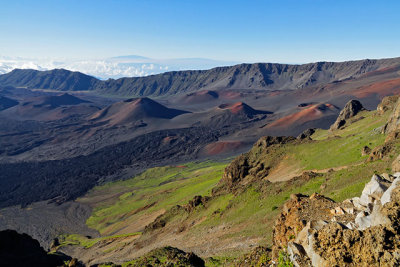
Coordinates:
<point>250,214</point>
<point>158,188</point>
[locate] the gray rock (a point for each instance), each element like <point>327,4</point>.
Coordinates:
<point>373,190</point>
<point>296,253</point>
<point>386,197</point>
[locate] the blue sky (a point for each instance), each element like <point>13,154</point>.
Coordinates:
<point>285,31</point>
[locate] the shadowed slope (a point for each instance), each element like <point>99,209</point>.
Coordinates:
<point>6,103</point>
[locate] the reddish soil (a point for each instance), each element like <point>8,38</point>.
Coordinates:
<point>234,108</point>
<point>380,71</point>
<point>383,88</point>
<point>222,147</point>
<point>307,113</point>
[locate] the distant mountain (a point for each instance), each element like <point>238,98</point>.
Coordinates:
<point>114,67</point>
<point>58,79</point>
<point>259,76</point>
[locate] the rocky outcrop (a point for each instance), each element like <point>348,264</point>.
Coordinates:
<point>267,141</point>
<point>392,127</point>
<point>246,169</point>
<point>196,201</point>
<point>396,164</point>
<point>381,151</point>
<point>306,134</point>
<point>22,250</point>
<point>299,211</point>
<point>362,231</point>
<point>387,103</point>
<point>352,108</point>
<point>366,150</point>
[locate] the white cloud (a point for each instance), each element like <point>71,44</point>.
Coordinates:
<point>125,66</point>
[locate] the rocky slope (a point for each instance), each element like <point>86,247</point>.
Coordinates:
<point>362,231</point>
<point>237,213</point>
<point>244,76</point>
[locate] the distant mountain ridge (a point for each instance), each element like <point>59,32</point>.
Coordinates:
<point>57,79</point>
<point>270,76</point>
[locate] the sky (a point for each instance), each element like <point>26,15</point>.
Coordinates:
<point>283,31</point>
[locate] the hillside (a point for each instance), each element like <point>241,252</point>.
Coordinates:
<point>269,76</point>
<point>49,108</point>
<point>6,102</point>
<point>57,79</point>
<point>133,110</point>
<point>192,208</point>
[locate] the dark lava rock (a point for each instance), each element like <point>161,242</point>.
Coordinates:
<point>22,250</point>
<point>352,108</point>
<point>306,134</point>
<point>267,141</point>
<point>196,201</point>
<point>365,151</point>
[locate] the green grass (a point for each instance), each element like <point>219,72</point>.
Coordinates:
<point>341,147</point>
<point>78,240</point>
<point>157,188</point>
<point>252,212</point>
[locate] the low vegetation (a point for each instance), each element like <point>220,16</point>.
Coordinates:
<point>234,222</point>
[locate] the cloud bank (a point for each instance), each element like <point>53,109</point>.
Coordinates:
<point>116,67</point>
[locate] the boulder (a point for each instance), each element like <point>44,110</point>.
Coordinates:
<point>386,197</point>
<point>372,238</point>
<point>373,190</point>
<point>365,151</point>
<point>295,214</point>
<point>306,134</point>
<point>352,108</point>
<point>394,120</point>
<point>396,164</point>
<point>387,103</point>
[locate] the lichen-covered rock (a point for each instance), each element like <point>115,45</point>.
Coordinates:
<point>370,239</point>
<point>387,103</point>
<point>373,190</point>
<point>396,164</point>
<point>380,152</point>
<point>295,214</point>
<point>394,120</point>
